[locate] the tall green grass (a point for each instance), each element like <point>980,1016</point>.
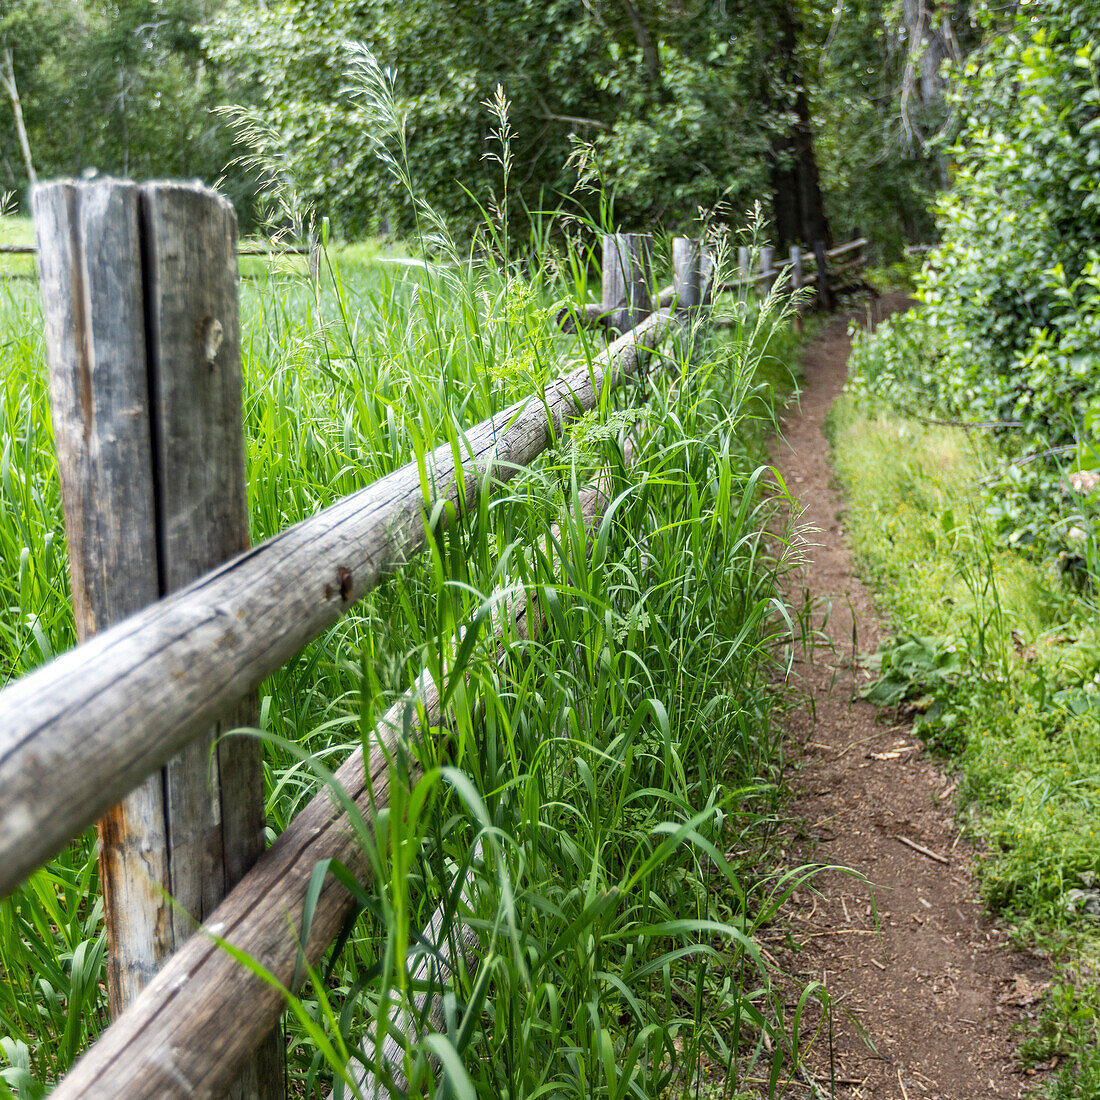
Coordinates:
<point>1002,660</point>
<point>620,774</point>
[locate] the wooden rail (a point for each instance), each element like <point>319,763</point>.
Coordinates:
<point>770,272</point>
<point>100,718</point>
<point>243,250</point>
<point>96,722</point>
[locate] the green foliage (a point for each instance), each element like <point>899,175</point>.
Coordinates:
<point>1008,663</point>
<point>875,175</point>
<point>122,88</point>
<point>1011,295</point>
<point>910,666</point>
<point>664,143</point>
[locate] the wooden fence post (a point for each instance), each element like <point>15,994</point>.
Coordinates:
<point>687,272</point>
<point>767,258</point>
<point>687,287</point>
<point>140,301</point>
<point>743,263</point>
<point>796,285</point>
<point>824,293</point>
<point>626,278</point>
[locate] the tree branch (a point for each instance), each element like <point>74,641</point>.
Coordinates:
<point>645,41</point>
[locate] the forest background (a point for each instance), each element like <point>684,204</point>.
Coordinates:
<point>826,114</point>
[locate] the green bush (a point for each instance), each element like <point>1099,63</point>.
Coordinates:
<point>1012,294</point>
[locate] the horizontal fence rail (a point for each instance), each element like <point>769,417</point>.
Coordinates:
<point>243,250</point>
<point>97,721</point>
<point>794,268</point>
<point>101,717</point>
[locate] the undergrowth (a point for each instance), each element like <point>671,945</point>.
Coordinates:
<point>607,790</point>
<point>999,660</point>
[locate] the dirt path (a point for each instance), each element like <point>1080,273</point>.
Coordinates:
<point>939,990</point>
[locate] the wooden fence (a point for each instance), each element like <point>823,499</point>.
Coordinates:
<point>801,269</point>
<point>243,250</point>
<point>179,621</point>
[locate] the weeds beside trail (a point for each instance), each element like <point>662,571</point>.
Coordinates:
<point>997,652</point>
<point>620,776</point>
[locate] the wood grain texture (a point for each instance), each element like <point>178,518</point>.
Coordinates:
<point>140,288</point>
<point>193,325</point>
<point>213,790</point>
<point>687,273</point>
<point>100,718</point>
<point>90,265</point>
<point>626,278</point>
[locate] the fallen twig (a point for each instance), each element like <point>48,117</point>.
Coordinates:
<point>923,851</point>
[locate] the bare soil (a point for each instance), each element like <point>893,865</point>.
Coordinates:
<point>934,984</point>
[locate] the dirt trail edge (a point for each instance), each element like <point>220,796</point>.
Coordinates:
<point>937,990</point>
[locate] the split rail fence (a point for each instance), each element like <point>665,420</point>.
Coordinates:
<point>179,620</point>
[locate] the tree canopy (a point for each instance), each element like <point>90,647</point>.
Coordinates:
<point>819,111</point>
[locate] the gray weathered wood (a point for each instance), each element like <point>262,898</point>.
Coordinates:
<point>90,258</point>
<point>205,1012</point>
<point>688,288</point>
<point>744,263</point>
<point>593,314</point>
<point>767,268</point>
<point>850,246</point>
<point>796,268</point>
<point>195,379</point>
<point>141,295</point>
<point>687,272</point>
<point>247,250</point>
<point>626,278</point>
<point>214,788</point>
<point>851,265</point>
<point>100,718</point>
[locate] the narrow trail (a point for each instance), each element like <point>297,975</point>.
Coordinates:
<point>937,989</point>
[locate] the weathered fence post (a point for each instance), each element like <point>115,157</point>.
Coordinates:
<point>687,285</point>
<point>824,293</point>
<point>767,256</point>
<point>626,278</point>
<point>744,263</point>
<point>796,285</point>
<point>139,291</point>
<point>687,272</point>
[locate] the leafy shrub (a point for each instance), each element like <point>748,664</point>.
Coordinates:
<point>1011,319</point>
<point>1005,292</point>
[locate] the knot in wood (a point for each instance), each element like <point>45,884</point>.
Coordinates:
<point>212,333</point>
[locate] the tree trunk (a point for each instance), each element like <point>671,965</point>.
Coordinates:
<point>798,210</point>
<point>645,42</point>
<point>7,75</point>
